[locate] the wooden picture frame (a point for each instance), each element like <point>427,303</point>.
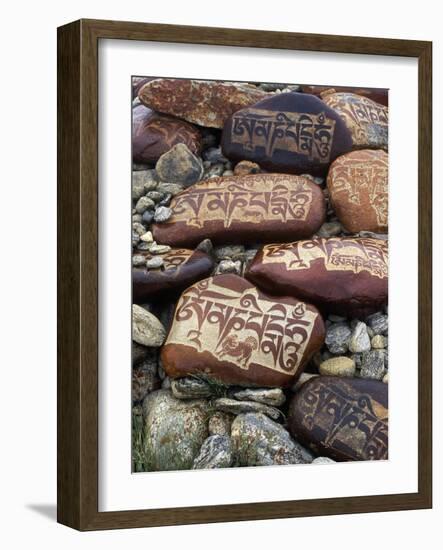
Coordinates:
<point>78,274</point>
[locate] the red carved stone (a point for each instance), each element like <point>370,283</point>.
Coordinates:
<point>343,275</point>
<point>226,329</point>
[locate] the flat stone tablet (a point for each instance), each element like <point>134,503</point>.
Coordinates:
<point>343,275</point>
<point>290,132</point>
<point>202,102</point>
<point>367,120</point>
<point>154,134</point>
<point>181,268</point>
<point>244,209</point>
<point>227,330</point>
<point>342,418</point>
<point>358,189</point>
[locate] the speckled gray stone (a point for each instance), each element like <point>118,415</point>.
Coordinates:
<point>373,365</point>
<point>146,328</point>
<point>323,460</point>
<point>174,430</point>
<point>378,323</point>
<point>268,396</point>
<point>190,388</point>
<point>359,340</point>
<point>239,407</point>
<point>162,214</point>
<point>220,423</point>
<point>337,338</point>
<point>214,453</point>
<point>259,441</point>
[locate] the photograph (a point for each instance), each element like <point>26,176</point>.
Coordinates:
<point>259,274</point>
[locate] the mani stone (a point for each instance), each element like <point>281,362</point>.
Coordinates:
<point>244,209</point>
<point>174,430</point>
<point>358,190</point>
<point>379,95</point>
<point>259,441</point>
<point>205,103</point>
<point>179,269</point>
<point>343,275</point>
<point>154,134</point>
<point>226,330</point>
<point>342,418</point>
<point>367,120</point>
<point>288,132</point>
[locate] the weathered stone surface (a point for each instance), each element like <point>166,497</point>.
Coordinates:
<point>139,353</point>
<point>179,269</point>
<point>190,388</point>
<point>144,377</point>
<point>338,366</point>
<point>154,134</point>
<point>343,275</point>
<point>220,423</point>
<point>245,167</point>
<point>179,165</point>
<point>138,82</point>
<point>146,328</point>
<point>244,209</point>
<point>214,453</point>
<point>359,340</point>
<point>379,95</point>
<point>174,430</point>
<point>373,365</point>
<point>358,190</point>
<point>323,460</point>
<point>202,102</point>
<point>291,132</point>
<point>337,338</point>
<point>239,407</point>
<point>378,322</point>
<point>342,418</point>
<point>367,120</point>
<point>268,396</point>
<point>228,330</point>
<point>259,441</point>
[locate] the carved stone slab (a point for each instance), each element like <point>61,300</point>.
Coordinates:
<point>379,95</point>
<point>206,103</point>
<point>225,329</point>
<point>344,275</point>
<point>154,134</point>
<point>358,188</point>
<point>290,132</point>
<point>367,120</point>
<point>181,268</point>
<point>244,209</point>
<point>343,418</point>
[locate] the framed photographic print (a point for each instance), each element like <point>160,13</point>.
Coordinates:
<point>244,280</point>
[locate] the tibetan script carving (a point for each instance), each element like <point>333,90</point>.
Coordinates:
<point>304,134</point>
<point>241,327</point>
<point>338,254</point>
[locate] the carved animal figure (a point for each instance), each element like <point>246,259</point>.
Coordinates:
<point>240,350</point>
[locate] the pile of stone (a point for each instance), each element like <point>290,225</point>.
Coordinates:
<point>260,274</point>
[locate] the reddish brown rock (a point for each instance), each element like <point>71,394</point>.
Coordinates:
<point>343,418</point>
<point>358,189</point>
<point>225,329</point>
<point>379,95</point>
<point>206,103</point>
<point>244,209</point>
<point>138,82</point>
<point>154,134</point>
<point>367,120</point>
<point>290,132</point>
<point>181,268</point>
<point>343,275</point>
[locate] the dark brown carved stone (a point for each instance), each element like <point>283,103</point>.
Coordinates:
<point>154,134</point>
<point>206,103</point>
<point>244,209</point>
<point>290,132</point>
<point>379,95</point>
<point>343,418</point>
<point>181,268</point>
<point>367,120</point>
<point>344,275</point>
<point>358,189</point>
<point>227,330</point>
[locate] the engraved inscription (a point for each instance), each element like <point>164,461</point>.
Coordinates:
<point>175,259</point>
<point>228,201</point>
<point>348,421</point>
<point>305,134</point>
<point>338,254</point>
<point>241,327</point>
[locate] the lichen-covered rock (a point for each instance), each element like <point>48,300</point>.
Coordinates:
<point>259,441</point>
<point>268,396</point>
<point>239,407</point>
<point>190,388</point>
<point>146,328</point>
<point>205,103</point>
<point>174,430</point>
<point>214,453</point>
<point>220,423</point>
<point>144,376</point>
